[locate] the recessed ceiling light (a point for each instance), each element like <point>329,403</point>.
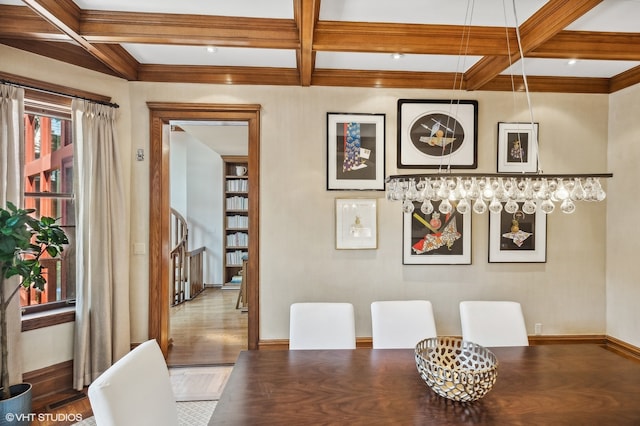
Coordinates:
<point>211,49</point>
<point>397,56</point>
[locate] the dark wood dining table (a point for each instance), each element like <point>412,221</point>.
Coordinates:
<point>575,384</point>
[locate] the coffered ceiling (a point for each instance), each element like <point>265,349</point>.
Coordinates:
<point>573,46</point>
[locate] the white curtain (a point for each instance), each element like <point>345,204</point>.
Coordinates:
<point>11,189</point>
<point>102,241</point>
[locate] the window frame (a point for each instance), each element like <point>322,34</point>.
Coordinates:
<point>56,312</point>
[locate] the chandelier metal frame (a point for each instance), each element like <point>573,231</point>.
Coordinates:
<point>479,192</point>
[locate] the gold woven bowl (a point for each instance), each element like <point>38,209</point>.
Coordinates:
<point>456,369</point>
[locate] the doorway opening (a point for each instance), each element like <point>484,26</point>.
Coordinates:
<point>161,114</point>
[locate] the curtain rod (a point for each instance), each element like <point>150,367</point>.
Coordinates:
<point>54,92</point>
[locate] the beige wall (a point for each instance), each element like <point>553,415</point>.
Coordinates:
<point>567,294</point>
<point>623,239</point>
<point>298,259</point>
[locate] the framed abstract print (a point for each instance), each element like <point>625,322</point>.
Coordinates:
<point>518,237</point>
<point>434,134</point>
<point>356,223</point>
<point>435,238</point>
<point>355,151</point>
<point>517,148</point>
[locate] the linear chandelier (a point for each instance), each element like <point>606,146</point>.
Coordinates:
<point>477,192</point>
<point>445,191</point>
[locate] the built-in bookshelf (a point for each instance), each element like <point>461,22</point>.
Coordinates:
<point>236,217</point>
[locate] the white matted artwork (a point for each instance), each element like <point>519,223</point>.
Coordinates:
<point>436,134</point>
<point>356,223</point>
<point>435,238</point>
<point>517,148</point>
<point>518,237</point>
<point>355,151</point>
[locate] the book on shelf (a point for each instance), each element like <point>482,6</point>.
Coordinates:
<point>237,222</point>
<point>238,239</point>
<point>237,203</point>
<point>235,257</point>
<point>237,185</point>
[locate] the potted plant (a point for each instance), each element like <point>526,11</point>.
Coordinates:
<point>23,240</point>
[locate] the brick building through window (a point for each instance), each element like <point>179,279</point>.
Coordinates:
<point>49,189</point>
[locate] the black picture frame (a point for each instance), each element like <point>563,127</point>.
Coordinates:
<point>518,238</point>
<point>518,145</point>
<point>434,134</point>
<point>436,238</point>
<point>355,151</point>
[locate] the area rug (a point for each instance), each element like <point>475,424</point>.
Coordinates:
<point>198,383</point>
<point>190,413</point>
<point>197,390</point>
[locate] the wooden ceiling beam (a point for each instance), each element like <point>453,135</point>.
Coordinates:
<point>20,22</point>
<point>412,38</point>
<point>625,79</point>
<point>65,15</point>
<point>548,21</point>
<point>357,78</point>
<point>306,13</point>
<point>382,79</point>
<point>69,53</point>
<point>550,84</point>
<point>551,19</point>
<point>590,45</point>
<point>218,75</point>
<point>163,28</point>
<point>60,30</point>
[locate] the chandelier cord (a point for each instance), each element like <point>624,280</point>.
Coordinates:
<point>522,190</point>
<point>526,86</point>
<point>513,84</point>
<point>458,86</point>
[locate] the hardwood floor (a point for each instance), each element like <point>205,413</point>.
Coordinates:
<point>61,409</point>
<point>207,330</point>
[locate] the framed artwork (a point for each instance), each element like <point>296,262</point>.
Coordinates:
<point>355,151</point>
<point>518,237</point>
<point>436,238</point>
<point>437,133</point>
<point>517,148</point>
<point>356,223</point>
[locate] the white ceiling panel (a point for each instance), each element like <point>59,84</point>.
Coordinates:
<point>610,15</point>
<point>562,68</point>
<point>223,56</point>
<point>453,12</point>
<point>385,62</point>
<point>248,8</point>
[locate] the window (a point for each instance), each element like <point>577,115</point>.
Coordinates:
<point>49,189</point>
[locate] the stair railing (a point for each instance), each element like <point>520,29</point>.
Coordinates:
<point>186,279</point>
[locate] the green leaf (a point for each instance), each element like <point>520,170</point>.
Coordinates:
<point>7,245</point>
<point>20,252</point>
<point>47,221</point>
<point>13,221</point>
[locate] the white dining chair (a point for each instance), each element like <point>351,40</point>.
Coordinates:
<point>322,325</point>
<point>400,324</point>
<point>136,390</point>
<point>493,323</point>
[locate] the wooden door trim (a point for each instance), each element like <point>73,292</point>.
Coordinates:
<point>160,114</point>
